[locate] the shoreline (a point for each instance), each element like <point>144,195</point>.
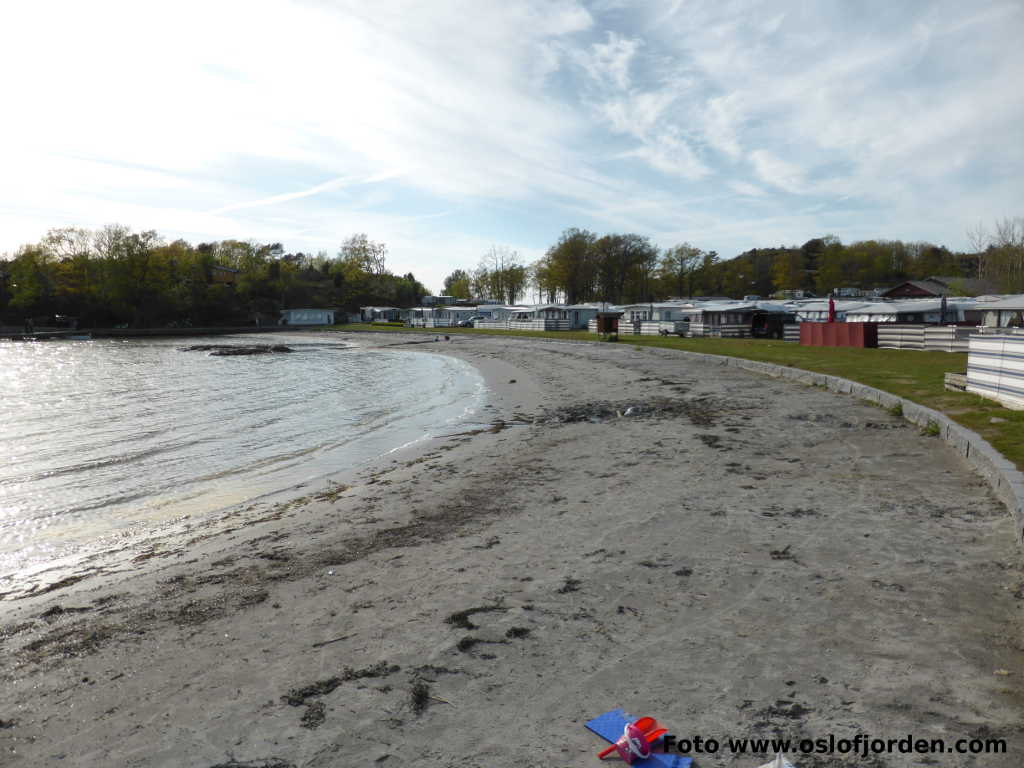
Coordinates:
<point>707,561</point>
<point>162,529</point>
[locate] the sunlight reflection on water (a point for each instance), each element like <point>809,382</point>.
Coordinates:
<point>103,435</point>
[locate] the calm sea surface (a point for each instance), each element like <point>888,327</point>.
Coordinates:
<point>103,436</point>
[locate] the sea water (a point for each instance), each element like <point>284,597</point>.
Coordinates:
<point>103,436</point>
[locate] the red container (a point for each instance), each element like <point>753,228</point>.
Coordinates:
<point>839,334</point>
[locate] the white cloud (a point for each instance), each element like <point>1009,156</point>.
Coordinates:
<point>233,119</point>
<point>722,121</point>
<point>777,172</point>
<point>326,186</point>
<point>608,63</point>
<point>746,188</point>
<point>672,156</point>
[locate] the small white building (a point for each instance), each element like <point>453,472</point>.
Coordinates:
<point>383,314</point>
<point>1004,313</point>
<point>734,319</point>
<point>438,317</point>
<point>307,317</point>
<point>538,317</point>
<point>664,311</point>
<point>816,311</point>
<point>434,301</point>
<point>652,318</point>
<point>911,311</point>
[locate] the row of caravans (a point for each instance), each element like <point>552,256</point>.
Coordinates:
<point>708,318</point>
<point>764,318</point>
<point>542,317</point>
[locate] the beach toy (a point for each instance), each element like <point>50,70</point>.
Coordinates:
<point>636,739</point>
<point>613,726</point>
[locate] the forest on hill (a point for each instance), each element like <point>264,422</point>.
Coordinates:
<point>115,277</point>
<point>625,268</point>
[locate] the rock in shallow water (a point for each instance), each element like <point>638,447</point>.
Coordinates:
<point>227,350</point>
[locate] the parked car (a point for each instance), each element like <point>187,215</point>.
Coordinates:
<point>470,321</point>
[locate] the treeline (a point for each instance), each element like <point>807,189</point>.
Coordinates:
<point>628,268</point>
<point>115,276</point>
<point>500,274</point>
<point>1001,253</point>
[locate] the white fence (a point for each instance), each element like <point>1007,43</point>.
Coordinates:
<point>727,331</point>
<point>649,327</point>
<point>900,336</point>
<point>948,338</point>
<point>945,338</point>
<point>524,325</point>
<point>995,367</point>
<point>791,332</point>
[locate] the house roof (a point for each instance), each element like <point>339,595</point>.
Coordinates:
<point>821,305</point>
<point>934,287</point>
<point>745,306</point>
<point>911,305</point>
<point>946,286</point>
<point>655,304</point>
<point>975,285</point>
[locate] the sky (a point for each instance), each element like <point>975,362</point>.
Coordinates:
<point>444,128</point>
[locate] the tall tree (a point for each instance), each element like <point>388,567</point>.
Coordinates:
<point>707,279</point>
<point>676,269</point>
<point>457,284</point>
<point>369,255</point>
<point>500,275</point>
<point>1001,253</point>
<point>572,266</point>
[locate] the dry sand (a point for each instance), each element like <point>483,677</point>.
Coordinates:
<point>738,557</point>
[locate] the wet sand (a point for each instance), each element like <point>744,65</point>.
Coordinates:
<point>737,556</point>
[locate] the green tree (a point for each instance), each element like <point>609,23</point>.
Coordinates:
<point>788,270</point>
<point>572,266</point>
<point>707,278</point>
<point>542,280</point>
<point>457,284</point>
<point>676,269</point>
<point>500,275</point>
<point>32,281</point>
<point>368,254</point>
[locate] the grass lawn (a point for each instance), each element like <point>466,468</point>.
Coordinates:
<point>917,376</point>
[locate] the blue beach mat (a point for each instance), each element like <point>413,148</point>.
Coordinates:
<point>609,727</point>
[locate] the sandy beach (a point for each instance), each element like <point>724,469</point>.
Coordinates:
<point>734,555</point>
